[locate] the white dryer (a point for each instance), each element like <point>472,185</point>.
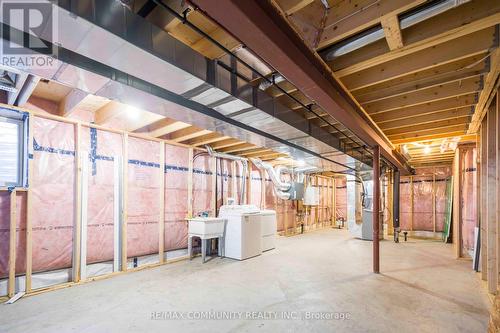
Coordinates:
<point>268,227</point>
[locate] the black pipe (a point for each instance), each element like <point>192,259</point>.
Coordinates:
<point>395,204</point>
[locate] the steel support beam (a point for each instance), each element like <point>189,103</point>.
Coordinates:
<point>261,28</point>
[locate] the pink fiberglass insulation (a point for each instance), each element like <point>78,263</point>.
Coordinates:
<point>270,198</point>
<point>224,181</point>
<point>143,209</point>
<point>102,148</point>
<point>5,232</point>
<point>176,197</point>
<point>256,195</point>
<point>202,185</point>
<point>341,197</point>
<point>442,174</point>
<point>238,178</point>
<point>281,206</point>
<point>422,206</point>
<point>52,188</point>
<point>469,210</point>
<point>422,199</point>
<point>405,204</point>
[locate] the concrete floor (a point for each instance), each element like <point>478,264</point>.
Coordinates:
<point>322,273</point>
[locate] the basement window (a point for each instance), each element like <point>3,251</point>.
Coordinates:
<point>13,148</point>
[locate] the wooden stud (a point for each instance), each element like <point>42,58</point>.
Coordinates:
<point>262,189</point>
<point>234,183</point>
<point>390,203</point>
<point>484,196</point>
<point>29,204</point>
<point>125,202</point>
<point>492,150</point>
<point>412,203</point>
<point>248,198</point>
<point>498,180</point>
<point>434,202</point>
<point>457,195</point>
<point>214,185</point>
<point>190,183</point>
<point>78,209</point>
<point>316,208</point>
<point>334,201</point>
<point>490,87</point>
<point>161,221</point>
<point>12,243</point>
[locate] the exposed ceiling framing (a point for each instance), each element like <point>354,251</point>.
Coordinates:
<point>423,84</point>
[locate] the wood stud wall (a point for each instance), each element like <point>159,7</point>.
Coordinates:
<point>489,180</point>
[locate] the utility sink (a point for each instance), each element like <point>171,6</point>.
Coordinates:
<point>206,227</point>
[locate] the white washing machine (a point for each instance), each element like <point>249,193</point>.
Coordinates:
<point>243,234</point>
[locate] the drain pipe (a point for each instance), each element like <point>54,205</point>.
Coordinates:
<point>243,161</point>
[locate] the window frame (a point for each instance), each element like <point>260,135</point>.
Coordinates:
<point>22,119</point>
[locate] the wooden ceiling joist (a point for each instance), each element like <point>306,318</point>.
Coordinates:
<point>448,72</point>
<point>291,6</point>
<point>258,152</point>
<point>187,134</point>
<point>165,126</point>
<point>207,139</point>
<point>427,108</point>
<point>428,134</point>
<point>346,18</point>
<point>423,85</point>
<point>425,138</point>
<point>441,125</point>
<point>236,148</point>
<point>226,143</point>
<point>448,90</point>
<point>428,118</point>
<point>491,85</point>
<point>433,41</point>
<point>392,31</point>
<point>470,45</point>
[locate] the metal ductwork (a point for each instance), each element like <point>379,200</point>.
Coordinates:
<point>121,56</point>
<point>274,174</point>
<point>377,33</point>
<point>26,90</point>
